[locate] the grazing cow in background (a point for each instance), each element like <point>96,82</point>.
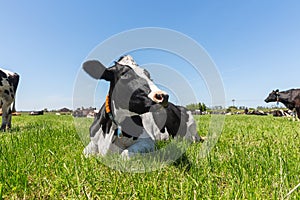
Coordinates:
<point>135,112</point>
<point>290,98</point>
<point>8,87</point>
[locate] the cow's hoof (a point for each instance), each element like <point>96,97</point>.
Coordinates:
<point>126,154</point>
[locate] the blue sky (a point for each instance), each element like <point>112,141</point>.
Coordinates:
<point>254,44</point>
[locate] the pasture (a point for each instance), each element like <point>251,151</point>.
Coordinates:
<point>256,157</point>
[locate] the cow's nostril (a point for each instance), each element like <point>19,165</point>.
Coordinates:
<point>159,97</point>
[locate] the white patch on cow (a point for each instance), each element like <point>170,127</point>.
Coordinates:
<point>152,129</point>
<point>103,143</point>
<point>191,127</point>
<point>128,60</point>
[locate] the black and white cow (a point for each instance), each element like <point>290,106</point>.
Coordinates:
<point>136,112</point>
<point>8,87</point>
<point>290,98</point>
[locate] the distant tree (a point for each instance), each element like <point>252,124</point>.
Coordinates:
<point>200,106</point>
<point>196,106</point>
<point>231,109</point>
<point>204,108</point>
<point>242,107</point>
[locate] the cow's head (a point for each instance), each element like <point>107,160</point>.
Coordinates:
<point>273,96</point>
<point>131,88</point>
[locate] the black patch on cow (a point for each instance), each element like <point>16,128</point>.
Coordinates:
<point>132,126</point>
<point>14,81</point>
<point>173,119</point>
<point>102,121</point>
<point>6,92</point>
<point>2,74</point>
<point>176,120</point>
<point>147,73</point>
<point>121,58</point>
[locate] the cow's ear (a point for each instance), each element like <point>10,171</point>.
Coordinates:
<point>97,70</point>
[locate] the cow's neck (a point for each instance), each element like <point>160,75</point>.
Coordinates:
<point>116,114</point>
<point>110,114</point>
<point>284,97</point>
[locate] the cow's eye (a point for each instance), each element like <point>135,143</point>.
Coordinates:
<point>125,75</point>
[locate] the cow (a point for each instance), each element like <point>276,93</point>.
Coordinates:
<point>40,112</point>
<point>281,113</point>
<point>8,86</point>
<point>290,98</point>
<point>135,113</point>
<point>256,112</point>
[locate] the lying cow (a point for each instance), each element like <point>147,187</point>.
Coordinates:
<point>8,87</point>
<point>135,113</point>
<point>281,113</point>
<point>41,112</point>
<point>290,98</point>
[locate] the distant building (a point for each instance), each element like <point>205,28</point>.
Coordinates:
<point>84,112</point>
<point>65,110</point>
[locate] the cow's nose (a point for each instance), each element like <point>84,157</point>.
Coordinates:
<point>161,98</point>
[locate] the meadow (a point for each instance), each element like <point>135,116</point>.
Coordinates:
<point>256,157</point>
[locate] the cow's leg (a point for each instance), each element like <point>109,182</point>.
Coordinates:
<point>142,145</point>
<point>4,118</point>
<point>297,113</point>
<point>92,147</point>
<point>9,116</point>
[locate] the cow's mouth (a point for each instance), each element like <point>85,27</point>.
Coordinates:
<point>267,100</point>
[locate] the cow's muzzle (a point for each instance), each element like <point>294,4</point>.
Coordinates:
<point>161,98</point>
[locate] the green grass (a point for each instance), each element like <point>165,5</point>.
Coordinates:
<point>256,157</point>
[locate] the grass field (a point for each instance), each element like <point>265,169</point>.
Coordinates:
<point>256,157</point>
